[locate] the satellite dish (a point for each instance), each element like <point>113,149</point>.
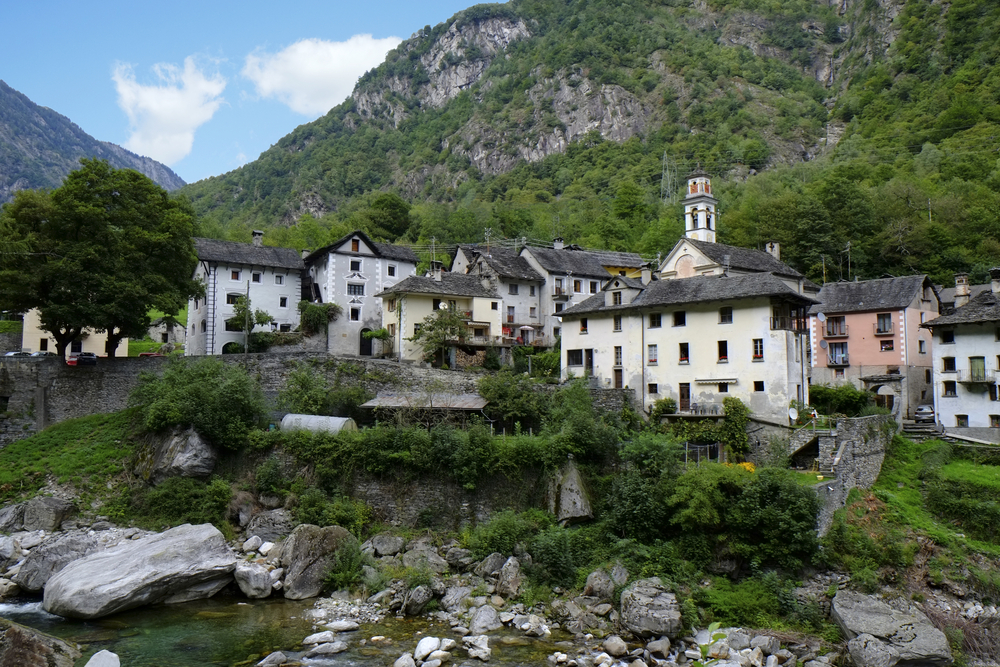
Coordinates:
<point>822,344</point>
<point>793,414</point>
<point>442,306</point>
<point>821,317</point>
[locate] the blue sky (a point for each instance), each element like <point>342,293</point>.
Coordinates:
<point>201,86</point>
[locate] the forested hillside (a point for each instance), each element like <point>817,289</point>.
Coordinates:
<point>38,147</point>
<point>871,123</point>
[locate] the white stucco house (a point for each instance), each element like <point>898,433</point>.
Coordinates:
<point>967,365</point>
<point>351,272</point>
<point>271,276</point>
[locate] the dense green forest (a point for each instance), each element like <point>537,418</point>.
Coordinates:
<point>909,180</point>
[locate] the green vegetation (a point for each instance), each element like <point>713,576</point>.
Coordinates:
<point>11,326</point>
<point>221,401</point>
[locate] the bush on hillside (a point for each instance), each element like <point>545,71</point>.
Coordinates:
<point>220,401</point>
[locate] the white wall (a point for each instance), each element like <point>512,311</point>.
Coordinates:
<point>973,400</point>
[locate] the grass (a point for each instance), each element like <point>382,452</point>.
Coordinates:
<point>88,453</point>
<point>973,473</point>
<point>809,477</point>
<point>145,345</point>
<point>11,326</point>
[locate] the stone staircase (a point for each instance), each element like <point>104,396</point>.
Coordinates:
<point>924,431</point>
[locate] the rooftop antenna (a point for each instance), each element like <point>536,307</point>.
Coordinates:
<point>433,254</point>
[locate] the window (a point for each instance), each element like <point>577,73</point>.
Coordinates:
<point>758,385</point>
<point>962,421</point>
<point>618,355</point>
<point>204,326</point>
<point>390,305</point>
<point>231,299</point>
<point>232,326</point>
<point>574,357</point>
<point>255,277</point>
<point>559,286</point>
<point>392,328</point>
<point>758,349</point>
<point>355,290</point>
<point>883,324</point>
<point>76,347</point>
<point>285,328</point>
<point>994,421</point>
<point>532,312</point>
<point>279,280</point>
<point>838,373</point>
<point>948,336</point>
<point>577,286</point>
<point>510,314</point>
<point>391,270</point>
<point>494,305</point>
<point>927,376</point>
<point>282,302</point>
<point>997,334</point>
<point>653,388</point>
<point>616,298</point>
<point>885,346</point>
<point>680,318</point>
<point>355,314</point>
<point>355,265</point>
<point>651,354</point>
<point>950,388</point>
<point>479,333</point>
<point>836,326</point>
<point>726,315</point>
<point>416,329</point>
<point>196,304</point>
<point>654,320</point>
<point>922,346</point>
<point>593,288</point>
<point>512,289</point>
<point>683,356</point>
<point>235,275</point>
<point>531,290</point>
<point>618,322</point>
<point>355,245</point>
<point>948,364</point>
<point>583,325</point>
<point>977,369</point>
<point>723,387</point>
<point>556,331</point>
<point>436,304</point>
<point>723,351</point>
<point>559,307</point>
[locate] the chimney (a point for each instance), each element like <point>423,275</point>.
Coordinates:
<point>258,237</point>
<point>557,243</point>
<point>962,289</point>
<point>305,253</point>
<point>436,270</point>
<point>773,249</point>
<point>995,280</point>
<point>647,274</point>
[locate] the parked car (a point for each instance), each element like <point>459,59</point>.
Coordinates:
<point>924,413</point>
<point>82,359</point>
<point>17,354</point>
<point>44,353</point>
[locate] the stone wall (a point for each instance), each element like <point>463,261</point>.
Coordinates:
<point>10,342</point>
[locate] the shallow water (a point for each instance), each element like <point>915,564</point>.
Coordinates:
<point>229,631</point>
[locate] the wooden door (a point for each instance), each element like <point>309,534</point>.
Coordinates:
<point>618,378</point>
<point>685,391</point>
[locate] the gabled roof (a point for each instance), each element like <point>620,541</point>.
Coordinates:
<point>699,289</point>
<point>507,262</point>
<point>588,263</point>
<point>743,259</point>
<point>386,250</point>
<point>947,294</point>
<point>451,284</point>
<point>984,307</point>
<point>867,295</point>
<point>214,250</point>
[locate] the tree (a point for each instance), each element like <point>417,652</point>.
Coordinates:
<point>382,336</point>
<point>103,250</point>
<point>246,318</point>
<point>439,331</point>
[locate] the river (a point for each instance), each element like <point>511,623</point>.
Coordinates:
<point>228,631</point>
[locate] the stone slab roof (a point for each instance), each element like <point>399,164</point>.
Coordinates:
<point>586,263</point>
<point>743,259</point>
<point>699,289</point>
<point>982,308</point>
<point>214,250</point>
<point>386,250</point>
<point>451,284</point>
<point>507,262</point>
<point>868,295</point>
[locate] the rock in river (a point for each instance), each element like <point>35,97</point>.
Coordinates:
<point>307,555</point>
<point>26,647</point>
<point>183,563</point>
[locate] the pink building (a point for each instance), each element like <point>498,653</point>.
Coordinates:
<point>868,333</point>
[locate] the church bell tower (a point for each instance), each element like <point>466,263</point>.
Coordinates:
<point>699,208</point>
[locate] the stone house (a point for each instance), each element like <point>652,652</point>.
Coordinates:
<point>869,333</point>
<point>966,358</point>
<point>408,303</point>
<point>271,276</point>
<point>351,272</point>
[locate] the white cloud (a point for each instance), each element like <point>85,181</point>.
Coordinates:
<point>163,116</point>
<point>312,75</point>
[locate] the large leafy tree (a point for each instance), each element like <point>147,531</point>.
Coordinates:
<point>100,252</point>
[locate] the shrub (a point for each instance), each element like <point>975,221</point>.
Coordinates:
<point>220,401</point>
<point>748,603</point>
<point>636,508</point>
<point>843,399</point>
<point>315,316</point>
<point>345,569</point>
<point>268,478</point>
<point>550,552</point>
<point>305,392</point>
<point>505,530</point>
<point>183,500</point>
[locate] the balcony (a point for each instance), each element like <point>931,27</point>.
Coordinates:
<point>883,329</point>
<point>796,324</point>
<point>560,294</point>
<point>837,361</point>
<point>836,331</point>
<point>978,376</point>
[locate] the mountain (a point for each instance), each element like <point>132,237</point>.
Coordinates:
<point>859,134</point>
<point>38,147</point>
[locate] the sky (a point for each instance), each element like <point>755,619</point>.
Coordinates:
<point>203,87</point>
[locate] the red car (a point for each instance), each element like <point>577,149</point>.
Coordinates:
<point>82,359</point>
